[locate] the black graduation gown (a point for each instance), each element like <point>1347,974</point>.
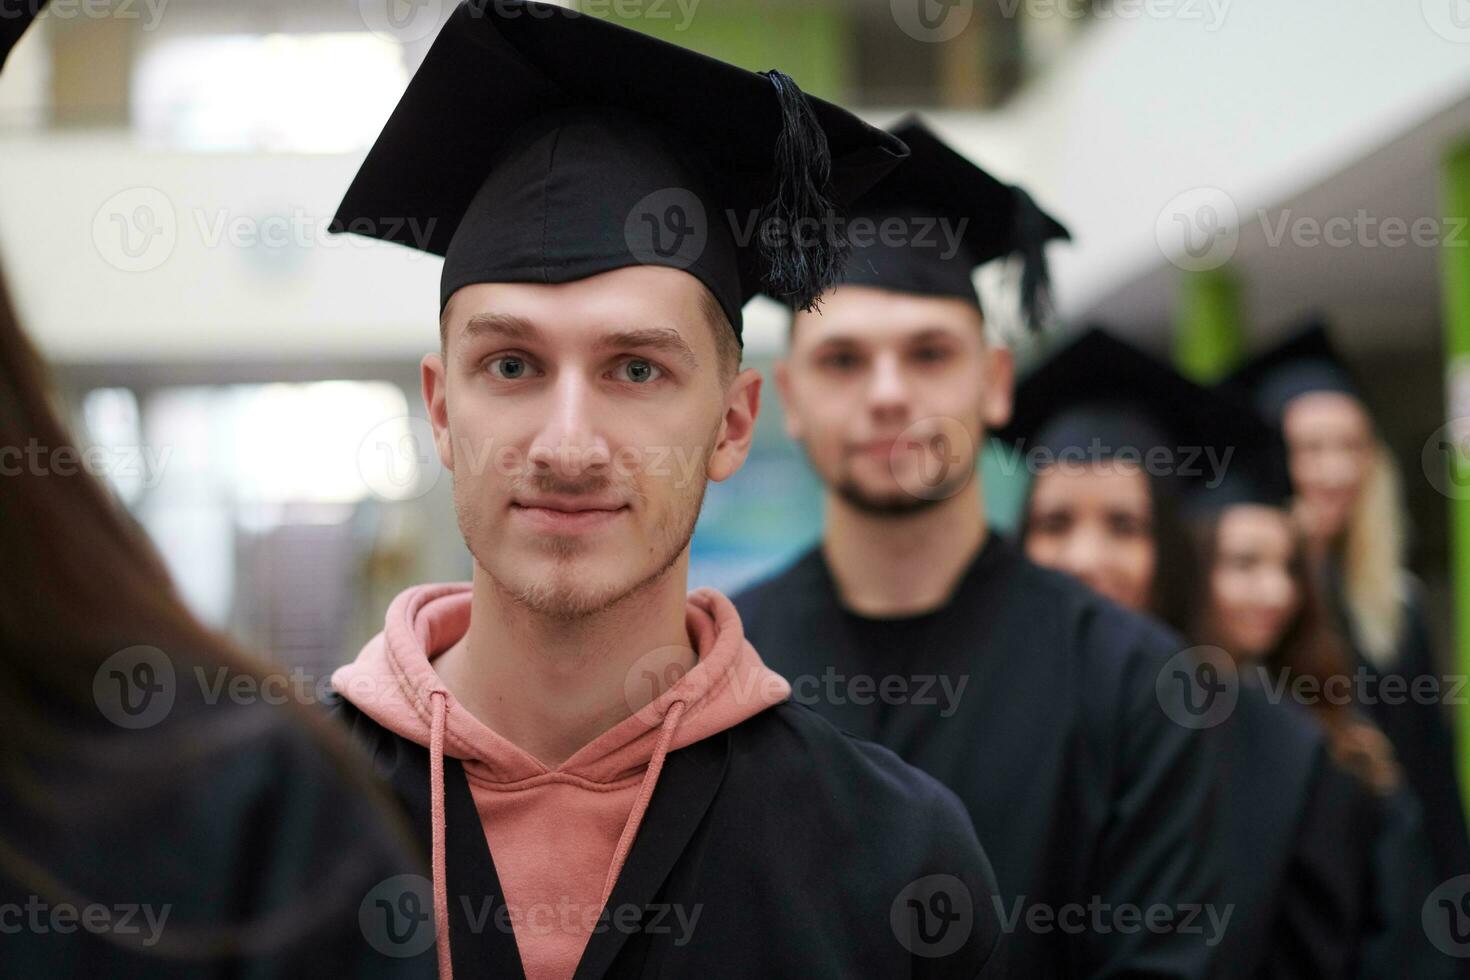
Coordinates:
<point>1420,733</point>
<point>222,843</point>
<point>1400,880</point>
<point>1083,790</point>
<point>797,848</point>
<point>1297,836</point>
<point>1326,910</point>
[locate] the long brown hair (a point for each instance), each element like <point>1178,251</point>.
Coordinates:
<point>1311,648</point>
<point>81,581</point>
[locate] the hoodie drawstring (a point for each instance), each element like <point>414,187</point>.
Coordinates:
<point>645,793</point>
<point>436,822</point>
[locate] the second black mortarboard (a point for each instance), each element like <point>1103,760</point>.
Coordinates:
<point>954,218</point>
<point>536,144</point>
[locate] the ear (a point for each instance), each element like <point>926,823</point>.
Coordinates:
<point>742,405</point>
<point>434,382</point>
<point>1000,382</point>
<point>782,373</point>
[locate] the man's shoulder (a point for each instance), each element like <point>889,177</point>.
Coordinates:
<point>888,827</point>
<point>792,746</point>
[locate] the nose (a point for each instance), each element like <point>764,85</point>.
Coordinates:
<point>1338,469</point>
<point>568,443</point>
<point>1278,591</point>
<point>888,391</point>
<point>1084,555</point>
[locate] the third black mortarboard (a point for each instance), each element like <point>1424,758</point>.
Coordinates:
<point>1101,397</point>
<point>536,144</point>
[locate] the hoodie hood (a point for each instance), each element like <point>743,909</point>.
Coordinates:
<point>393,682</point>
<point>562,833</point>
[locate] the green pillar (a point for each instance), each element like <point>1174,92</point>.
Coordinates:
<point>1455,266</point>
<point>1208,337</point>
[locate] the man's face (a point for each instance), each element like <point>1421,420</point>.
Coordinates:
<point>891,395</point>
<point>580,422</point>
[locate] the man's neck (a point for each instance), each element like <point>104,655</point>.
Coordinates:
<point>902,565</point>
<point>550,686</point>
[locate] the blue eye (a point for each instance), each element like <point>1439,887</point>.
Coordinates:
<point>639,371</point>
<point>840,361</point>
<point>509,367</point>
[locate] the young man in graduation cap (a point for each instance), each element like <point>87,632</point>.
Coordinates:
<point>1031,697</point>
<point>611,781</point>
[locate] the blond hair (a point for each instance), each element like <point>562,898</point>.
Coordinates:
<point>1374,586</point>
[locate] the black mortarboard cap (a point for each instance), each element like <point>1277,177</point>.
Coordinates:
<point>537,144</point>
<point>1100,397</point>
<point>1258,474</point>
<point>993,219</point>
<point>15,17</point>
<point>1305,362</point>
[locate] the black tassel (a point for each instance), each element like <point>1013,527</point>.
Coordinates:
<point>801,248</point>
<point>1031,232</point>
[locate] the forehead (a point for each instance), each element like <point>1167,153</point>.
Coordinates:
<point>865,314</point>
<point>1115,483</point>
<point>1256,526</point>
<point>585,310</point>
<point>1323,412</point>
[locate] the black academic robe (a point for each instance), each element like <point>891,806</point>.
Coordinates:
<point>1325,911</point>
<point>793,850</point>
<point>1418,728</point>
<point>1040,704</point>
<point>1300,836</point>
<point>223,842</point>
<point>1271,763</point>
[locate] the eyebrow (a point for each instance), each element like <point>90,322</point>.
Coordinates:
<point>919,336</point>
<point>663,339</point>
<point>507,326</point>
<point>503,325</point>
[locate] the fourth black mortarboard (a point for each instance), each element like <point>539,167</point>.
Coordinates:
<point>1305,362</point>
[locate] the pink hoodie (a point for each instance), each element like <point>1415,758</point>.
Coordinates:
<point>559,836</point>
